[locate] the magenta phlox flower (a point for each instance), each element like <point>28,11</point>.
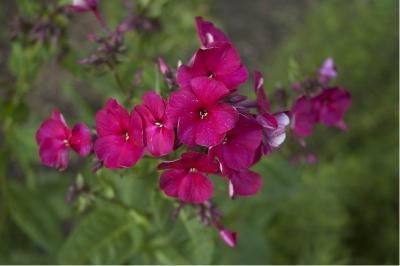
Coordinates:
<point>159,130</point>
<point>186,178</point>
<point>119,136</point>
<point>199,113</point>
<point>55,138</point>
<point>219,63</point>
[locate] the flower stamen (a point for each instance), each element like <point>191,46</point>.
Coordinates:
<point>66,143</point>
<point>203,113</point>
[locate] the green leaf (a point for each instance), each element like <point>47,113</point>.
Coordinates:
<point>293,70</point>
<point>162,209</point>
<point>169,256</point>
<point>201,242</point>
<point>34,216</point>
<point>106,236</point>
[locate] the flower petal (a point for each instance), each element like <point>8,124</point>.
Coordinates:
<point>245,182</point>
<point>241,144</point>
<point>81,139</point>
<point>230,238</point>
<point>135,129</point>
<point>171,180</point>
<point>207,90</point>
<point>223,117</point>
<point>222,60</point>
<point>54,153</point>
<point>154,103</point>
<point>116,152</point>
<point>112,120</point>
<point>187,128</point>
<point>195,188</point>
<point>180,103</point>
<point>52,128</point>
<point>262,101</point>
<point>208,33</point>
<point>160,141</point>
<point>234,79</point>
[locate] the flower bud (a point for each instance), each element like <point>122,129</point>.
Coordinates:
<point>228,237</point>
<point>83,5</point>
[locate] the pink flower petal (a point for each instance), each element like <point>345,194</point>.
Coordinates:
<point>195,188</point>
<point>171,180</point>
<point>187,128</point>
<point>304,116</point>
<point>180,103</point>
<point>154,103</point>
<point>230,238</point>
<point>222,60</point>
<point>135,129</point>
<point>208,33</point>
<point>262,101</point>
<point>185,75</point>
<point>241,143</point>
<point>160,141</point>
<point>327,71</point>
<point>116,152</point>
<point>52,128</point>
<point>112,120</point>
<point>234,79</point>
<point>207,90</point>
<point>245,182</point>
<point>54,153</point>
<point>223,117</point>
<point>332,104</point>
<point>81,139</point>
<point>267,121</point>
<point>206,134</point>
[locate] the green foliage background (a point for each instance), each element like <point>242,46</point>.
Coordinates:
<point>344,210</point>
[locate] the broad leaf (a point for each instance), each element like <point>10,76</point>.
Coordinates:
<point>34,216</point>
<point>108,235</point>
<point>201,243</point>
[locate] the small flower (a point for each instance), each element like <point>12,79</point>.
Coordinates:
<point>274,125</point>
<point>327,71</point>
<point>219,63</point>
<point>209,35</point>
<point>186,177</point>
<point>169,76</point>
<point>229,237</point>
<point>201,117</point>
<point>55,138</point>
<point>274,130</point>
<point>163,66</point>
<point>244,183</point>
<point>158,128</point>
<point>304,116</point>
<point>119,136</point>
<point>332,104</point>
<point>239,146</point>
<point>83,5</point>
<point>262,102</point>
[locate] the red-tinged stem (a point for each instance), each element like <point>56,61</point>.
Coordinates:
<point>102,21</point>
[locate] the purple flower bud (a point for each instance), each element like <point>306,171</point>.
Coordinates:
<point>230,238</point>
<point>83,5</point>
<point>327,71</point>
<point>163,66</point>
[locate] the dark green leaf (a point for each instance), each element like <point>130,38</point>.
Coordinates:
<point>106,236</point>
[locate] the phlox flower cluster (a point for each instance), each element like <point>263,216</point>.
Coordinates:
<point>318,102</point>
<point>215,131</point>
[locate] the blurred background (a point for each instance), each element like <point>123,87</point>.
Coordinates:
<point>342,210</point>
